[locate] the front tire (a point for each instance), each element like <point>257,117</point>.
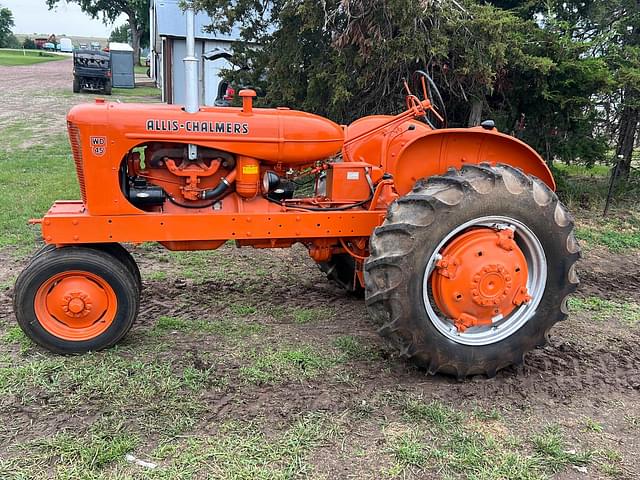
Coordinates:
<point>75,300</point>
<point>458,211</point>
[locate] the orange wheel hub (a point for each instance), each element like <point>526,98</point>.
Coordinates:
<point>480,278</point>
<point>75,305</point>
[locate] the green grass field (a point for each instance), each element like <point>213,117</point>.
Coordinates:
<point>148,92</point>
<point>10,58</point>
<point>140,69</point>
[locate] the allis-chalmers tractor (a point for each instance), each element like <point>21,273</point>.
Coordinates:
<point>456,237</point>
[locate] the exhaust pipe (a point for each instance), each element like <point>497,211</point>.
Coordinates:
<point>191,65</point>
<point>191,75</point>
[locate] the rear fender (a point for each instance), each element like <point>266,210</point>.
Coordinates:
<point>439,150</point>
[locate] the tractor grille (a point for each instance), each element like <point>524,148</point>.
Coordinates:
<point>76,149</point>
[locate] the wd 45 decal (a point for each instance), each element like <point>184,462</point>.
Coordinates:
<point>193,126</point>
<point>98,145</point>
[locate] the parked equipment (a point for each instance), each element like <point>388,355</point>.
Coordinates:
<point>456,237</point>
<point>122,68</point>
<point>66,45</point>
<point>91,71</point>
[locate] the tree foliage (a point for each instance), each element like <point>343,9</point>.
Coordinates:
<point>122,34</point>
<point>6,23</point>
<point>558,74</point>
<point>29,44</point>
<point>137,12</point>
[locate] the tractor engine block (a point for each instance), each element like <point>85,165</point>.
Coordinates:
<point>156,172</point>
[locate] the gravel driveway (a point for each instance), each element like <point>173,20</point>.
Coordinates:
<point>38,93</point>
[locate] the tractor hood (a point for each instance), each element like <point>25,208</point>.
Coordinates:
<point>275,135</point>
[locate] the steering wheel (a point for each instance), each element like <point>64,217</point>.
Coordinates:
<point>436,116</point>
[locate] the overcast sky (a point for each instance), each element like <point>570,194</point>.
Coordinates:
<point>33,16</point>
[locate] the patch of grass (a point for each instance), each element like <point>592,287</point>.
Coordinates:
<point>224,327</point>
<point>299,315</point>
<point>309,315</point>
<point>436,413</point>
<point>25,171</point>
<point>553,453</point>
<point>242,310</point>
<point>241,450</point>
<point>16,335</point>
<point>611,470</point>
<point>616,234</point>
<point>8,282</point>
<point>461,451</point>
<point>12,58</point>
<point>161,392</point>
<point>485,415</point>
<point>17,133</point>
<point>275,366</point>
<point>609,463</point>
<point>353,348</point>
<point>591,425</point>
<point>474,454</point>
<point>99,449</point>
<point>136,92</point>
<point>204,266</point>
<point>155,275</point>
<point>602,310</point>
<point>596,170</point>
<point>408,450</point>
<point>455,445</point>
<point>140,69</point>
<point>172,323</point>
<point>72,455</point>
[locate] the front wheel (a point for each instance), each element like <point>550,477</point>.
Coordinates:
<point>75,299</point>
<point>471,269</point>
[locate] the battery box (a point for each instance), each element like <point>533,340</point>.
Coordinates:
<point>347,182</point>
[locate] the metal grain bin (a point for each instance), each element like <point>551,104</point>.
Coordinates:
<point>122,69</point>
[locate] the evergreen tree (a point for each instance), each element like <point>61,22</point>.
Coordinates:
<point>6,23</point>
<point>531,65</point>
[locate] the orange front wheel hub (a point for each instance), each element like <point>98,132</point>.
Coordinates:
<point>480,278</point>
<point>75,305</point>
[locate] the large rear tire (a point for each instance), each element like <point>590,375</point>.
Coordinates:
<point>75,300</point>
<point>459,211</point>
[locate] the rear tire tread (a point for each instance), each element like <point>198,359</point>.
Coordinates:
<point>388,269</point>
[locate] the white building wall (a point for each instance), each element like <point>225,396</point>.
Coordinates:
<point>209,72</point>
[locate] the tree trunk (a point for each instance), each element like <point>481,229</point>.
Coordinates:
<point>135,39</point>
<point>475,117</point>
<point>627,135</point>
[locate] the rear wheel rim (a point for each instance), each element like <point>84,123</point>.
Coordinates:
<point>503,328</point>
<point>75,305</point>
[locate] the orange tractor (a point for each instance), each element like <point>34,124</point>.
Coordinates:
<point>456,238</point>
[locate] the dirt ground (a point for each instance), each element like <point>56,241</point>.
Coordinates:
<point>36,93</point>
<point>588,374</point>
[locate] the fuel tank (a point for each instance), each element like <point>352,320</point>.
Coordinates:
<point>272,135</point>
